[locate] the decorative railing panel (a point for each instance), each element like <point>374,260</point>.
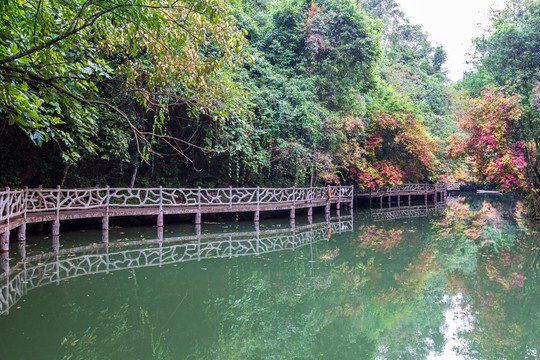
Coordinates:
<point>82,199</point>
<point>341,191</point>
<point>180,197</point>
<point>41,200</point>
<point>408,189</point>
<point>16,203</point>
<point>12,204</point>
<point>269,196</point>
<point>135,197</point>
<point>5,202</point>
<point>243,196</point>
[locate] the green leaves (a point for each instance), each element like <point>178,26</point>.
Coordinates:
<point>507,56</point>
<point>55,57</point>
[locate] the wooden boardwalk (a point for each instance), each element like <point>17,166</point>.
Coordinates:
<point>21,207</point>
<point>438,193</point>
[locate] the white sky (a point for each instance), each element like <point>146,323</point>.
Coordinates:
<point>452,24</point>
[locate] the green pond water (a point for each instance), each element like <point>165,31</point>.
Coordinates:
<point>453,282</point>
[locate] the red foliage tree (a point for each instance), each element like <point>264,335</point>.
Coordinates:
<point>489,140</point>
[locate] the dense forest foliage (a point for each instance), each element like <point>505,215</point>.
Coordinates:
<point>501,123</point>
<point>268,93</point>
<point>214,93</point>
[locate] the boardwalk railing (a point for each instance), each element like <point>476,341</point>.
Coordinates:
<point>405,189</point>
<point>20,203</point>
<point>40,270</point>
<point>19,207</point>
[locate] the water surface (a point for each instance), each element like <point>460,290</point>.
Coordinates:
<point>458,283</point>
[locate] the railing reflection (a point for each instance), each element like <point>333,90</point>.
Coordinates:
<point>403,212</point>
<point>40,270</point>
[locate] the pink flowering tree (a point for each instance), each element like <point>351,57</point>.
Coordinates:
<point>396,149</point>
<point>489,140</point>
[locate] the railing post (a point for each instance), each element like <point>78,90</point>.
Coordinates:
<point>25,201</point>
<point>230,197</point>
<point>257,212</point>
<point>160,215</point>
<point>8,207</point>
<point>352,199</point>
<point>105,220</point>
<point>108,199</point>
<point>198,214</point>
<point>58,201</point>
<point>4,239</point>
<point>327,207</point>
<point>40,193</point>
<point>310,198</point>
<point>21,235</point>
<point>56,222</point>
<point>161,198</point>
<point>338,206</point>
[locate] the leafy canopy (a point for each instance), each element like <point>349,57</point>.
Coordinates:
<point>55,55</point>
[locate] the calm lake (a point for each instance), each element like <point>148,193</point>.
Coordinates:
<point>455,282</point>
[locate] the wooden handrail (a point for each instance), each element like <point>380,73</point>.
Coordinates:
<point>411,188</point>
<point>16,203</point>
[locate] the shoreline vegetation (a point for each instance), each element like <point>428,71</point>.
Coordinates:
<point>274,94</point>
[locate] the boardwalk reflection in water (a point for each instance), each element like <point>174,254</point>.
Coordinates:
<point>41,270</point>
<point>403,212</point>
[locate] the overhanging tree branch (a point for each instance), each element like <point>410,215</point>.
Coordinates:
<point>59,38</point>
<point>138,134</point>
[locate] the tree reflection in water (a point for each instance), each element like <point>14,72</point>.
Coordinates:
<point>461,284</point>
<point>491,257</point>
